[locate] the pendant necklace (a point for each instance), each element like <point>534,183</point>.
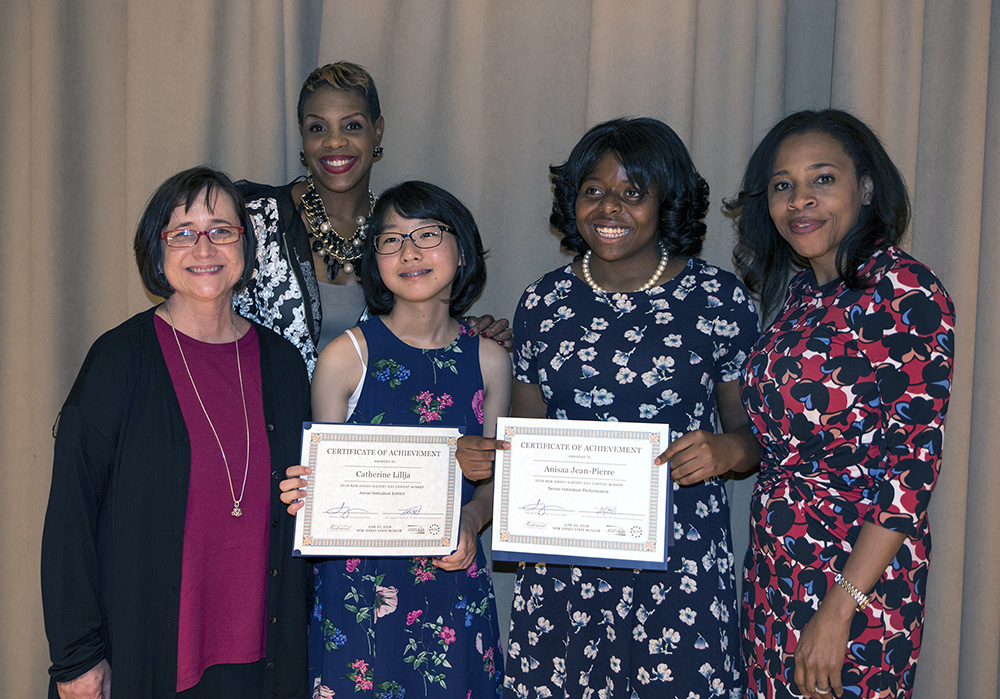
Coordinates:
<point>237,512</point>
<point>664,259</point>
<point>338,252</point>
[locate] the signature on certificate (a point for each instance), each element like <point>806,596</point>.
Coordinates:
<point>344,511</point>
<point>415,510</point>
<point>540,508</point>
<point>606,510</point>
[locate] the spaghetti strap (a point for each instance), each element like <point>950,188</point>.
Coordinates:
<point>352,402</point>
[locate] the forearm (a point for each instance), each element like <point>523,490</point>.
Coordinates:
<point>744,450</point>
<point>873,552</point>
<point>478,512</point>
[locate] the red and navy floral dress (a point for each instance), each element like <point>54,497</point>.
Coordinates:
<point>847,393</point>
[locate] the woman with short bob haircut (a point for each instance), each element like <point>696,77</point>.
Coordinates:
<point>422,200</point>
<point>186,187</point>
<point>412,362</point>
<point>166,567</point>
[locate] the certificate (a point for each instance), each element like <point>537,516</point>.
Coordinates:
<point>379,490</point>
<point>582,492</point>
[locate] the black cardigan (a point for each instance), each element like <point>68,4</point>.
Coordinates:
<point>114,527</point>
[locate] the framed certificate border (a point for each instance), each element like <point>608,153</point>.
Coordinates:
<point>373,442</point>
<point>649,552</point>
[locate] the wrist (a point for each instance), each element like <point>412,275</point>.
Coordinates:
<point>859,597</point>
<point>839,603</point>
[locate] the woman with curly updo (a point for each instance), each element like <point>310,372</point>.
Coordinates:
<point>638,329</point>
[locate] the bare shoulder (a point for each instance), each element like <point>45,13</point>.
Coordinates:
<point>338,372</point>
<point>340,361</point>
<point>493,358</point>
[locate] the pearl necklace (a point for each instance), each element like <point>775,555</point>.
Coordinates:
<point>237,512</point>
<point>338,252</point>
<point>664,259</point>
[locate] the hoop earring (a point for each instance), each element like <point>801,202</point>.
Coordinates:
<point>377,153</point>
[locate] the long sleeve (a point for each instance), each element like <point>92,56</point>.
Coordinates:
<point>85,444</point>
<point>908,334</point>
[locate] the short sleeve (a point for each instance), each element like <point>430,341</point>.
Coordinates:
<point>525,327</point>
<point>735,329</point>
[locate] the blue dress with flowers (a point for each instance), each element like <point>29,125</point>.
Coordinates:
<point>657,355</point>
<point>394,627</point>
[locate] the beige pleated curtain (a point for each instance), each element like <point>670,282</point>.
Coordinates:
<point>100,100</point>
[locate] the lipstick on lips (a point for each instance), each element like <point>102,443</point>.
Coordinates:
<point>338,164</point>
<point>804,225</point>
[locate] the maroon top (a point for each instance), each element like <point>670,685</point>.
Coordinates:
<point>223,583</point>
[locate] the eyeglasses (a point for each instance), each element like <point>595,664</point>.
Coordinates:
<point>188,238</point>
<point>424,237</point>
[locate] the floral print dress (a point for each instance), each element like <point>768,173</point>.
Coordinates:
<point>847,392</point>
<point>394,627</point>
<point>652,356</point>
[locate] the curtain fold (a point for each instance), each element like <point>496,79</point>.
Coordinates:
<point>101,100</point>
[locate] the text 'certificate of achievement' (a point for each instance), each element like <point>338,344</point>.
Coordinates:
<point>575,491</point>
<point>379,490</point>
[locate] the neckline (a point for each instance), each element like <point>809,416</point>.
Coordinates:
<point>649,293</point>
<point>462,330</point>
<point>201,345</point>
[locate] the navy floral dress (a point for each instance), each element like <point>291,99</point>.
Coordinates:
<point>394,627</point>
<point>847,392</point>
<point>652,356</point>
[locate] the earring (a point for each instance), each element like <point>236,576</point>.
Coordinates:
<point>302,157</point>
<point>377,153</point>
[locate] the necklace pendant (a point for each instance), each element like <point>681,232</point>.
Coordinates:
<point>237,512</point>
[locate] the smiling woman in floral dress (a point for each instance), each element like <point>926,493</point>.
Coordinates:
<point>636,329</point>
<point>847,391</point>
<point>424,627</point>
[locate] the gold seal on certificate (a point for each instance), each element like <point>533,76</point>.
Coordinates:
<point>379,490</point>
<point>574,491</point>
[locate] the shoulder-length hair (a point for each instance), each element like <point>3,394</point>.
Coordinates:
<point>183,189</point>
<point>655,159</point>
<point>349,77</point>
<point>422,200</point>
<point>762,256</point>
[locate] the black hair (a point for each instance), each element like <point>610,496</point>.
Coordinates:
<point>654,158</point>
<point>349,77</point>
<point>182,190</point>
<point>422,200</point>
<point>764,259</point>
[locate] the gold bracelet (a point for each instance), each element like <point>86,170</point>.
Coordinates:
<point>859,597</point>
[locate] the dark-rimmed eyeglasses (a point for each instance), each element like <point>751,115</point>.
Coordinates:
<point>424,237</point>
<point>188,237</point>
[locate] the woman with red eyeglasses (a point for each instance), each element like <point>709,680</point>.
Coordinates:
<point>165,566</point>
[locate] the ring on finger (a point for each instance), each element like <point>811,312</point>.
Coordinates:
<point>821,690</point>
